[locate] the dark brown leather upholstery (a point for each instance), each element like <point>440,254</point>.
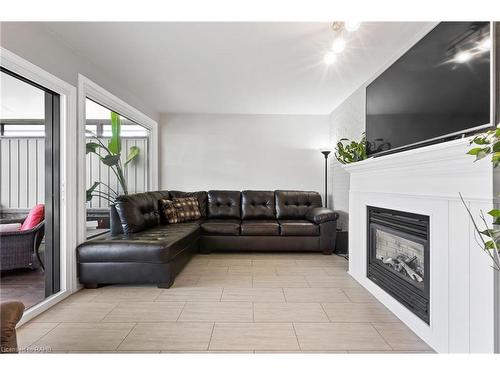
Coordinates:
<point>298,228</point>
<point>260,243</point>
<point>320,215</point>
<point>200,195</point>
<point>149,252</point>
<point>155,245</point>
<point>10,314</point>
<point>221,227</point>
<point>257,205</point>
<point>260,228</point>
<point>139,212</point>
<point>224,204</point>
<point>155,255</point>
<point>295,204</point>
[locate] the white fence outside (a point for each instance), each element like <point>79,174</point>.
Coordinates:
<point>22,175</point>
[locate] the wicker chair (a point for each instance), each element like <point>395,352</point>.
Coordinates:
<point>19,249</point>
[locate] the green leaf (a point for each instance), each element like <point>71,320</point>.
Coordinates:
<point>474,151</point>
<point>110,160</point>
<point>494,213</point>
<point>91,147</point>
<point>490,245</point>
<point>133,153</point>
<point>481,154</point>
<point>480,140</point>
<point>492,233</point>
<point>88,193</point>
<point>115,145</point>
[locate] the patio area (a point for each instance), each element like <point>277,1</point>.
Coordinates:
<point>24,285</point>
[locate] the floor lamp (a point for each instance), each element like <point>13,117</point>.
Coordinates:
<point>326,153</point>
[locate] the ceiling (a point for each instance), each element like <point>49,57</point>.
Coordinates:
<point>245,68</point>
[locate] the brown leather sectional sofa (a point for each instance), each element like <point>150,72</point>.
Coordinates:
<point>143,248</point>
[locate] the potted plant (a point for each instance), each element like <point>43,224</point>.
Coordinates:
<point>110,155</point>
<point>351,151</point>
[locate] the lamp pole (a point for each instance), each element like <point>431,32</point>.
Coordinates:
<point>326,153</point>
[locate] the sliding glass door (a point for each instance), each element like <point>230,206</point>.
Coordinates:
<point>30,190</point>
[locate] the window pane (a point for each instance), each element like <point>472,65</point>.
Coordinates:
<point>136,173</point>
<point>24,131</point>
<point>92,129</point>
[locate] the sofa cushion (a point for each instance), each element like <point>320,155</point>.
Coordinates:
<point>35,217</point>
<point>187,209</point>
<point>294,204</point>
<point>257,205</point>
<point>200,195</point>
<point>298,228</point>
<point>224,204</point>
<point>169,211</point>
<point>139,212</point>
<point>155,245</point>
<point>221,227</point>
<point>260,228</point>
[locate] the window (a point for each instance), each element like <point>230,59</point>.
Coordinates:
<point>105,180</point>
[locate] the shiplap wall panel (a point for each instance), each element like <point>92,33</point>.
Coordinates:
<point>22,172</point>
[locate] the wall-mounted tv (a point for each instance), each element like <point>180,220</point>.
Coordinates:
<point>438,90</point>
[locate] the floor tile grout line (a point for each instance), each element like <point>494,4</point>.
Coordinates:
<point>383,338</point>
<point>183,306</point>
<point>45,334</point>
<point>129,332</point>
<point>323,308</point>
<point>296,336</point>
<point>109,312</point>
<point>211,335</point>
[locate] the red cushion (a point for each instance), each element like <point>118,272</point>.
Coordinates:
<point>34,218</point>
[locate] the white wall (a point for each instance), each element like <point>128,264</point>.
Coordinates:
<point>202,152</point>
<point>346,121</point>
<point>33,42</point>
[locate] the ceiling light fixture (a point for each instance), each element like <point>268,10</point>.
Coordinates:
<point>330,58</point>
<point>338,45</point>
<point>485,44</point>
<point>352,25</point>
<point>339,42</point>
<point>463,56</point>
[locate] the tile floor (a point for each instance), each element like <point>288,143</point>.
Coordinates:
<point>232,302</point>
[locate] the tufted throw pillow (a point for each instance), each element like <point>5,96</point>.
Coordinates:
<point>169,211</point>
<point>187,209</point>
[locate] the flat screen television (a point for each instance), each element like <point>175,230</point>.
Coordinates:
<point>438,90</point>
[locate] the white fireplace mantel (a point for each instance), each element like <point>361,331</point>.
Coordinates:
<point>428,181</point>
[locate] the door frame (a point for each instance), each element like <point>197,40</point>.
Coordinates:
<point>68,175</point>
<point>89,89</point>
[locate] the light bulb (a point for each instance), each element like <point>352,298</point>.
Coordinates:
<point>338,45</point>
<point>485,44</point>
<point>463,56</point>
<point>330,58</point>
<point>352,25</point>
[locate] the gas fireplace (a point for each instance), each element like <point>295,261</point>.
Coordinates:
<point>398,257</point>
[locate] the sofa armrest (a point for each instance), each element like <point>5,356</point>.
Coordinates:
<point>319,215</point>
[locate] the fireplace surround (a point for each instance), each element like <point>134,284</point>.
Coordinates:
<point>398,257</point>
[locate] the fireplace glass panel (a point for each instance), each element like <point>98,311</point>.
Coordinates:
<point>402,255</point>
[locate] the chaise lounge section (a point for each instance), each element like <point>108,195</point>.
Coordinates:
<point>143,248</point>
